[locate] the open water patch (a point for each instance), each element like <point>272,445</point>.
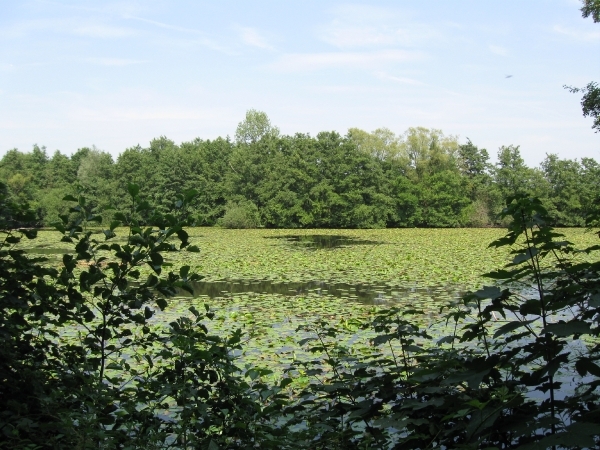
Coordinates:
<point>363,293</point>
<point>322,241</point>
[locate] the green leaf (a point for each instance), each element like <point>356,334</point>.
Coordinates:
<point>491,292</point>
<point>194,311</point>
<point>447,340</point>
<point>162,303</point>
<point>525,256</point>
<point>533,307</point>
<point>109,234</point>
<point>499,274</point>
<point>594,301</point>
<point>156,259</point>
<point>184,271</point>
<point>585,366</point>
<point>182,235</point>
<point>69,198</point>
<point>306,340</point>
<point>285,382</point>
<point>133,189</point>
<point>189,194</point>
<point>148,313</point>
<point>511,326</point>
<point>574,327</point>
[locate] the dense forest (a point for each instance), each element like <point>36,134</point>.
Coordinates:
<point>422,178</point>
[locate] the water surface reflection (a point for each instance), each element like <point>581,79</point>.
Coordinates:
<point>364,293</point>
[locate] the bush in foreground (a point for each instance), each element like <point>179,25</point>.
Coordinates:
<point>83,365</point>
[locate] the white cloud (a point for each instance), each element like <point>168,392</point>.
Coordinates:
<point>23,28</point>
<point>201,40</point>
<point>497,50</point>
<point>352,36</point>
<point>103,31</point>
<point>367,26</point>
<point>108,114</point>
<point>251,37</point>
<point>402,80</point>
<point>91,29</point>
<point>314,61</point>
<point>165,25</point>
<point>576,34</point>
<point>114,61</point>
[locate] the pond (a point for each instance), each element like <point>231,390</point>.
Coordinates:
<point>363,293</point>
<point>323,241</point>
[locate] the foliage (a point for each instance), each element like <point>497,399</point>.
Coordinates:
<point>254,127</point>
<point>240,215</point>
<point>591,8</point>
<point>493,383</point>
<point>590,100</point>
<point>83,365</point>
<point>420,178</point>
<point>83,349</point>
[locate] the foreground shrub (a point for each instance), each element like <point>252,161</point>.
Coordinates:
<point>520,369</point>
<point>83,365</point>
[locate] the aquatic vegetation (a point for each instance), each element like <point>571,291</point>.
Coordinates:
<point>341,354</point>
<point>269,282</point>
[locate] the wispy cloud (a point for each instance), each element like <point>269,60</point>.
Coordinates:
<point>369,26</point>
<point>114,8</point>
<point>314,61</point>
<point>576,34</point>
<point>498,50</point>
<point>163,112</point>
<point>25,27</point>
<point>352,36</point>
<point>69,26</point>
<point>103,31</point>
<point>165,25</point>
<point>402,80</point>
<point>251,37</point>
<point>114,61</point>
<point>199,36</point>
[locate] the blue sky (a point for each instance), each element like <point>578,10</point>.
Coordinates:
<point>117,74</point>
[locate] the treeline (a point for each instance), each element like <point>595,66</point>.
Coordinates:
<point>421,178</point>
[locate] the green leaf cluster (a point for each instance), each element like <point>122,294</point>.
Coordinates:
<point>421,178</point>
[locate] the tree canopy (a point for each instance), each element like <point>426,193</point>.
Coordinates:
<point>422,177</point>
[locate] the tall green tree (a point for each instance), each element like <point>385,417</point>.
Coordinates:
<point>382,143</point>
<point>429,150</point>
<point>209,164</point>
<point>485,197</point>
<point>565,188</point>
<point>255,126</point>
<point>513,176</point>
